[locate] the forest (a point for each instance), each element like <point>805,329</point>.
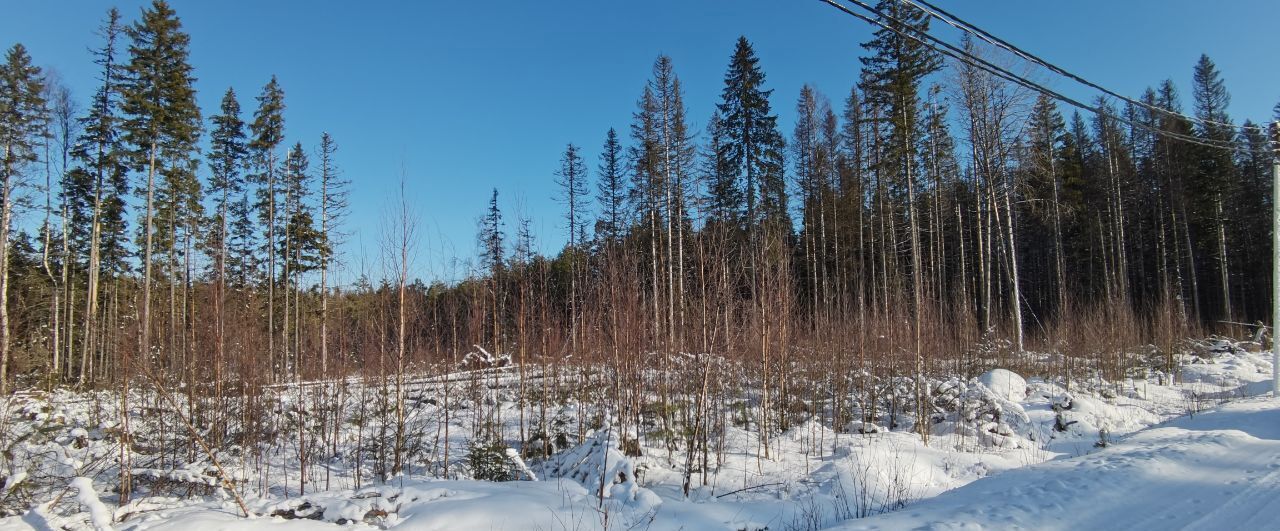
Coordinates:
<point>935,221</point>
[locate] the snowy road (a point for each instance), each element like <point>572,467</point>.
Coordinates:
<point>1217,470</point>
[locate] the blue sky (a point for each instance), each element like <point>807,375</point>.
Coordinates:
<point>462,97</point>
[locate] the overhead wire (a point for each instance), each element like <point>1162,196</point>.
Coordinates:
<point>971,29</point>
<point>958,54</point>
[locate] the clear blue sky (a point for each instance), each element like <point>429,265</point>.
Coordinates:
<point>462,97</point>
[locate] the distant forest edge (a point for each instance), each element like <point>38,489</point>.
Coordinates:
<point>909,228</point>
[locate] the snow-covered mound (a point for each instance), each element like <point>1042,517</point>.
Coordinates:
<point>1005,384</point>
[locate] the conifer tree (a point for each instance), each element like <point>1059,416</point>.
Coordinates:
<point>22,118</point>
<point>750,142</point>
<point>1046,131</point>
<point>572,180</point>
<point>610,190</point>
<point>227,153</point>
<point>1215,170</point>
<point>267,133</point>
<point>723,202</point>
<point>162,127</point>
<point>333,208</point>
<point>893,72</point>
<point>491,237</point>
<point>492,246</point>
<point>97,186</point>
<point>1250,209</point>
<point>299,246</point>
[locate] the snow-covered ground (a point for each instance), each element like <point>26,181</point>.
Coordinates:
<point>1216,470</point>
<point>1009,453</point>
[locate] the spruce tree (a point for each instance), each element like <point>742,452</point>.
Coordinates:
<point>750,143</point>
<point>491,238</point>
<point>723,201</point>
<point>1215,171</point>
<point>162,127</point>
<point>492,246</point>
<point>267,132</point>
<point>1047,130</point>
<point>571,178</point>
<point>893,71</point>
<point>299,246</point>
<point>22,117</point>
<point>333,208</point>
<point>97,185</point>
<point>1250,210</point>
<point>227,153</point>
<point>610,190</point>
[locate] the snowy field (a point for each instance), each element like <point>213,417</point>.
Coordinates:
<point>1145,453</point>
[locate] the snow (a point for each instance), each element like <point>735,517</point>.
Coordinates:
<point>1005,383</point>
<point>98,513</point>
<point>1216,470</point>
<point>1005,452</point>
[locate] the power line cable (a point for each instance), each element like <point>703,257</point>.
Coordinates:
<point>953,52</point>
<point>971,29</point>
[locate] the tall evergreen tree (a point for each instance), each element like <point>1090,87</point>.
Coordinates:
<point>610,190</point>
<point>22,117</point>
<point>1046,131</point>
<point>750,143</point>
<point>227,153</point>
<point>893,71</point>
<point>1250,211</point>
<point>162,127</point>
<point>571,179</point>
<point>491,238</point>
<point>723,201</point>
<point>1215,171</point>
<point>97,185</point>
<point>267,133</point>
<point>333,208</point>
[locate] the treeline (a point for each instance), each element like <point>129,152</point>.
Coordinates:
<point>935,218</point>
